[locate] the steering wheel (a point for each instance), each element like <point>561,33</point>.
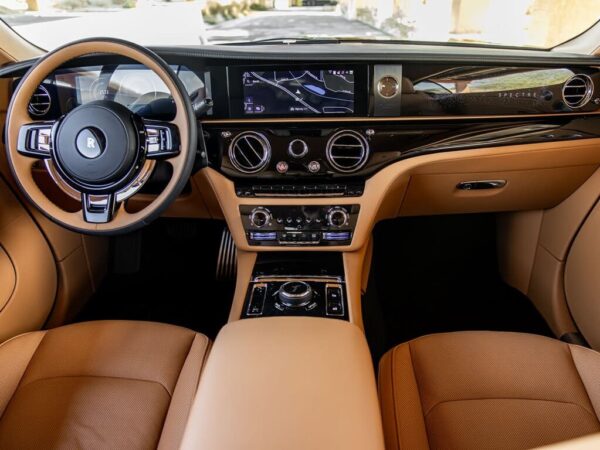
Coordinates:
<point>100,152</point>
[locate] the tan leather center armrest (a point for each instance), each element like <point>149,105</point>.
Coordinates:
<point>287,383</point>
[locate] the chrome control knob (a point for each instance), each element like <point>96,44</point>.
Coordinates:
<point>295,294</point>
<point>337,217</point>
<point>259,217</point>
<point>297,148</point>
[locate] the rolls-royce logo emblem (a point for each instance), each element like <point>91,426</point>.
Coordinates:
<point>90,143</point>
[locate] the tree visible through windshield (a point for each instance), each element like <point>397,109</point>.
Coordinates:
<point>527,23</point>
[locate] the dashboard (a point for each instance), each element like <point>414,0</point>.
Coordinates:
<point>286,122</point>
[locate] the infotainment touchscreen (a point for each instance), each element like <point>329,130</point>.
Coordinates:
<point>298,92</point>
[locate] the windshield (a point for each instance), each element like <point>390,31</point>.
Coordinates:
<point>522,23</point>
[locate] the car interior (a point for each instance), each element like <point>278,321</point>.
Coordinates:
<point>321,244</point>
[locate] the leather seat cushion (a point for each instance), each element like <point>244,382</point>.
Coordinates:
<point>99,385</point>
<point>488,390</point>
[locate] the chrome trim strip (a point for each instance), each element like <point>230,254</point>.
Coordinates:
<point>128,191</point>
<point>490,117</point>
<point>313,278</point>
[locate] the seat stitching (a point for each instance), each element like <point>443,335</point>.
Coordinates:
<point>97,376</point>
<point>414,370</point>
<point>509,398</point>
<point>581,380</point>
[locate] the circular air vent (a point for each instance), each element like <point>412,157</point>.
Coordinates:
<point>250,152</point>
<point>578,91</point>
<point>347,151</point>
<point>40,102</point>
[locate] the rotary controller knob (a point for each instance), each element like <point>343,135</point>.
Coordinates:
<point>337,217</point>
<point>259,217</point>
<point>295,294</point>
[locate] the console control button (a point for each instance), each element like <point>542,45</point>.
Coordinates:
<point>295,294</point>
<point>297,148</point>
<point>257,300</point>
<point>282,167</point>
<point>314,166</point>
<point>259,217</point>
<point>334,301</point>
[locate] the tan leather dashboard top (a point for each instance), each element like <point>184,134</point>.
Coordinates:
<point>287,383</point>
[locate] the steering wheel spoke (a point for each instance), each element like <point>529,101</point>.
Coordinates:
<point>98,208</point>
<point>35,140</point>
<point>162,139</point>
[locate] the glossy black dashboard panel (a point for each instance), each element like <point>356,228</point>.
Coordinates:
<point>488,87</point>
<point>493,91</point>
<point>421,90</point>
<point>387,142</point>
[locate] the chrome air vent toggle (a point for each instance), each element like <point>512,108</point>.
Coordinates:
<point>577,91</point>
<point>250,152</point>
<point>40,102</point>
<point>347,151</point>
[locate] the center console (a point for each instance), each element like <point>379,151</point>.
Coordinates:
<point>287,284</point>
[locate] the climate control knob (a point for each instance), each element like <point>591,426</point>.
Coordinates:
<point>259,217</point>
<point>337,217</point>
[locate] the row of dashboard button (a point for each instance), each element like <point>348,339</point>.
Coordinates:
<point>333,190</point>
<point>291,221</point>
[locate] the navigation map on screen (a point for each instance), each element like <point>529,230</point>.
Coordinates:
<point>311,92</point>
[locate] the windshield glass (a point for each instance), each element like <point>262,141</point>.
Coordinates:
<point>522,23</point>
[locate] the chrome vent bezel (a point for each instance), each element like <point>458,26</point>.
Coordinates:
<point>334,146</point>
<point>40,111</point>
<point>584,82</point>
<point>261,156</point>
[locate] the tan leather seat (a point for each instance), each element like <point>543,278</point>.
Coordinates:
<point>110,384</point>
<point>476,390</point>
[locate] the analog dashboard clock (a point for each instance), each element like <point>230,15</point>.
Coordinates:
<point>388,86</point>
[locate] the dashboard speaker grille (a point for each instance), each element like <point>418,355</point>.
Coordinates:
<point>578,91</point>
<point>40,102</point>
<point>347,151</point>
<point>250,152</point>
